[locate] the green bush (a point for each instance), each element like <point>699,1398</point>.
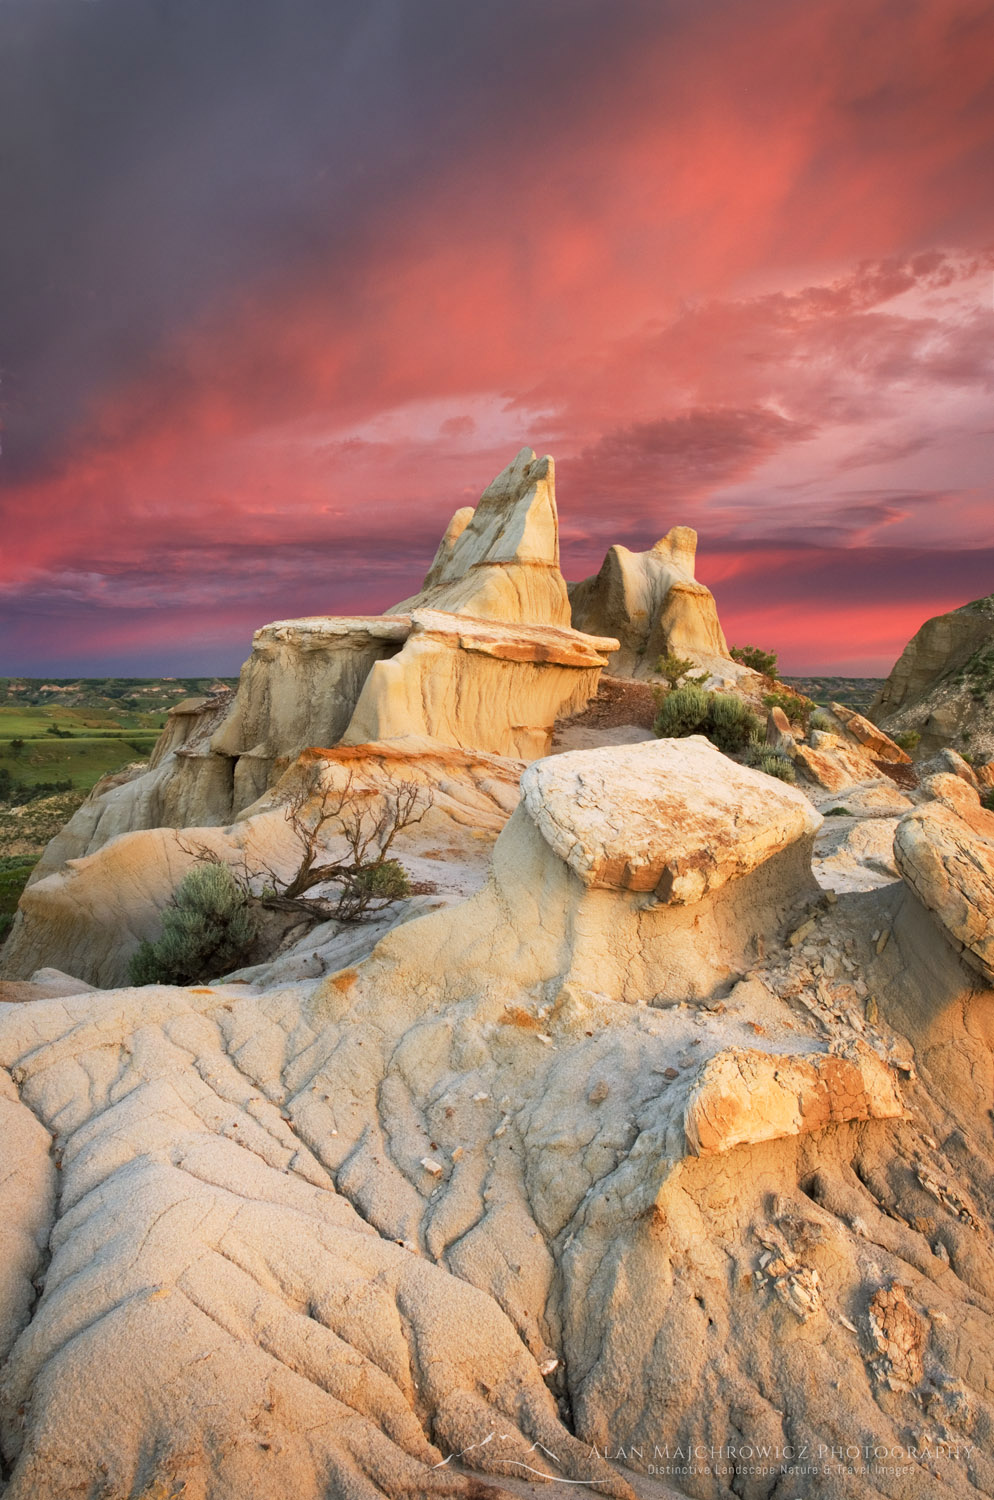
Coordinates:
<point>908,739</point>
<point>682,712</point>
<point>386,880</point>
<point>756,658</point>
<point>731,724</point>
<point>987,799</point>
<point>728,722</point>
<point>207,929</point>
<point>774,763</point>
<point>821,720</point>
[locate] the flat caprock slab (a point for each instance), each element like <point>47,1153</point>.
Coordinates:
<point>671,816</point>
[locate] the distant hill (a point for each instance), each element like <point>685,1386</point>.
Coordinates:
<point>855,692</point>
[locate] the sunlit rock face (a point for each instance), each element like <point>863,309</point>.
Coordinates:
<point>654,605</point>
<point>500,561</point>
<point>570,1164</point>
<point>945,851</point>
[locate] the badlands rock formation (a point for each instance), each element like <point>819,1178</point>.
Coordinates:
<point>645,1145</point>
<point>941,684</point>
<point>652,602</point>
<point>501,560</point>
<point>657,1120</point>
<point>429,667</point>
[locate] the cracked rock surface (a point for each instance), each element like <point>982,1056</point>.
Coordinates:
<point>509,1197</point>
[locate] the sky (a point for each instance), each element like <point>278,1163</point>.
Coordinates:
<point>284,283</point>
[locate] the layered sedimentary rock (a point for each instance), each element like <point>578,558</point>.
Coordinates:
<point>299,688</point>
<point>479,685</point>
<point>356,1236</point>
<point>945,851</point>
<point>750,1096</point>
<point>940,685</point>
<point>653,603</point>
<point>89,916</point>
<point>500,561</point>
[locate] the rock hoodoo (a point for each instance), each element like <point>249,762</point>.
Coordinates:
<point>657,1112</point>
<point>653,603</point>
<point>501,560</point>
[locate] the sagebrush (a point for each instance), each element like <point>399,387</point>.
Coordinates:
<point>208,928</point>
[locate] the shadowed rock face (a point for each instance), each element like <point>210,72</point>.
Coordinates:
<point>652,602</point>
<point>940,684</point>
<point>508,1187</point>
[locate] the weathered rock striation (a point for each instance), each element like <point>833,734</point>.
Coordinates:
<point>509,1188</point>
<point>479,684</point>
<point>500,561</point>
<point>653,603</point>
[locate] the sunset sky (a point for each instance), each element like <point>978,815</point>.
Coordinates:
<point>285,282</point>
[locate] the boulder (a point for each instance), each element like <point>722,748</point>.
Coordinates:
<point>779,735</point>
<point>953,791</point>
<point>945,853</point>
<point>873,740</point>
<point>672,817</point>
<point>742,1095</point>
<point>653,604</point>
<point>834,763</point>
<point>479,684</point>
<point>949,762</point>
<point>856,856</point>
<point>501,560</point>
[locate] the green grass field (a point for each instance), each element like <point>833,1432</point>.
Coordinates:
<point>82,760</point>
<point>104,725</point>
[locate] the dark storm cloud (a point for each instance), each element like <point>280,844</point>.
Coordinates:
<point>160,155</point>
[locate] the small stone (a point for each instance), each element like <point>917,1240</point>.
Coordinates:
<point>432,1167</point>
